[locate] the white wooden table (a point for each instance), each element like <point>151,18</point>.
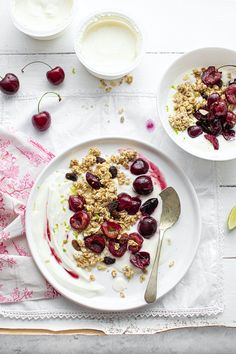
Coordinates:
<point>171,28</point>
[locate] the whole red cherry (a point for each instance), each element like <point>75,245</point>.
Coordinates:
<point>42,120</point>
<point>55,75</point>
<point>9,84</point>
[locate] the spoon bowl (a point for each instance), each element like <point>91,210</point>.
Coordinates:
<point>171,208</point>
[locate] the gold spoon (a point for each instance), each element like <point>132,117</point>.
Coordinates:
<point>170,214</point>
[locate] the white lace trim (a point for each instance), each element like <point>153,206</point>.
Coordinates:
<point>211,311</point>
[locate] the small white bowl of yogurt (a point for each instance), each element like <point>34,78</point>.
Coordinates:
<point>109,44</point>
<point>42,19</point>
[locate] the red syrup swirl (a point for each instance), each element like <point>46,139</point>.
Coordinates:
<point>155,173</point>
<point>55,255</point>
<point>72,274</point>
<point>48,231</point>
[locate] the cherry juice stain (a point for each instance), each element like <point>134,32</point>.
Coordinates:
<point>55,255</point>
<point>155,173</point>
<point>72,274</point>
<point>150,125</point>
<point>48,231</point>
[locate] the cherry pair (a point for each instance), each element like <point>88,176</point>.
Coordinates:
<point>9,84</point>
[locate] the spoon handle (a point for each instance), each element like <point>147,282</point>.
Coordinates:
<point>151,290</point>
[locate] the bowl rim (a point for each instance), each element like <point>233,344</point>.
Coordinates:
<point>159,105</point>
<point>58,29</point>
<point>89,19</point>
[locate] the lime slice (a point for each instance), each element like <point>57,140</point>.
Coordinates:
<point>232,219</point>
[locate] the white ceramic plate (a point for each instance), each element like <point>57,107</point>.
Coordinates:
<point>199,146</point>
<point>184,236</point>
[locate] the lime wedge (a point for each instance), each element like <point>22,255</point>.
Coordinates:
<point>232,219</point>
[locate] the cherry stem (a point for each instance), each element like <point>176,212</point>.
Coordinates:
<point>33,62</point>
<point>54,93</point>
<point>224,66</point>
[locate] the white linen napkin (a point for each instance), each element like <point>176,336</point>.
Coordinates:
<point>84,116</point>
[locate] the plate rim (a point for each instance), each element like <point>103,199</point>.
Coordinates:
<point>155,150</point>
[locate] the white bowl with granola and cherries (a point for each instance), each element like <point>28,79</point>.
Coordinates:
<point>197,103</point>
<point>92,223</point>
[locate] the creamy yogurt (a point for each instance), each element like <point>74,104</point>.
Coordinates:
<point>42,16</point>
<point>50,217</point>
<point>109,44</point>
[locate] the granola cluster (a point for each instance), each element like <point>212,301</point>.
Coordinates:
<point>87,162</point>
<point>190,97</point>
<point>108,85</point>
<point>97,201</point>
<point>97,204</point>
<point>128,272</point>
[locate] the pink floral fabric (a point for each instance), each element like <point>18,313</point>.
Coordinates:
<point>21,160</point>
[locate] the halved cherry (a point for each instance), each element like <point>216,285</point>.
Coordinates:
<point>96,243</point>
<point>231,118</point>
<point>140,259</point>
<point>76,202</point>
<point>219,108</point>
<point>134,206</point>
<point>80,220</point>
<point>111,229</point>
<point>93,180</point>
<point>212,98</point>
<point>118,247</point>
<point>135,242</point>
<point>128,203</point>
<point>213,140</point>
<point>211,76</point>
<point>124,201</point>
<point>230,94</point>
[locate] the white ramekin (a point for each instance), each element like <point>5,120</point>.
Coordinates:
<point>92,70</point>
<point>41,35</point>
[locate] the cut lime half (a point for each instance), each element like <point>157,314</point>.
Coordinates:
<point>232,219</point>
